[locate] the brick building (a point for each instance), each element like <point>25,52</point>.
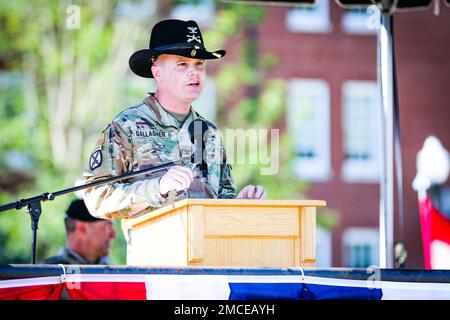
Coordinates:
<point>329,56</point>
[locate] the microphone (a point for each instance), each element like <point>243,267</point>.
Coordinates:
<point>197,129</point>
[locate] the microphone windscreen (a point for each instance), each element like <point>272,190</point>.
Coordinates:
<point>197,129</point>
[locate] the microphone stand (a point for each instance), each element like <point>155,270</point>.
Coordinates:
<point>34,208</point>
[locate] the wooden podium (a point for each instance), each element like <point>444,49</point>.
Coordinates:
<point>225,232</point>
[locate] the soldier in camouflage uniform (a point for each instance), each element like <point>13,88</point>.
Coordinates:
<point>155,132</point>
<point>88,238</point>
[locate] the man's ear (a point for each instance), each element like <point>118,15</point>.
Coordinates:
<point>81,226</point>
<point>155,71</point>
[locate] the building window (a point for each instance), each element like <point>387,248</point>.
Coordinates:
<point>324,248</point>
<point>360,247</point>
<point>359,21</point>
<point>308,121</point>
<point>315,18</point>
<point>202,11</point>
<point>361,126</point>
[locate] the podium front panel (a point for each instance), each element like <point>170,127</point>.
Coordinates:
<point>213,232</point>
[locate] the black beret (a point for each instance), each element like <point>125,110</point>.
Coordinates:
<point>78,211</point>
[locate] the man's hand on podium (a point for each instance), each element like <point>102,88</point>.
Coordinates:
<point>252,192</point>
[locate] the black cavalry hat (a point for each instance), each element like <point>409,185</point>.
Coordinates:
<point>78,211</point>
<point>172,36</point>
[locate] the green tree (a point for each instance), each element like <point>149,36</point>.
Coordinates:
<point>69,83</point>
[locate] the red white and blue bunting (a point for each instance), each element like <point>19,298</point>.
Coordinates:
<point>214,287</point>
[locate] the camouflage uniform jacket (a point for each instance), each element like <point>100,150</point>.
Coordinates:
<point>67,256</point>
<point>144,136</point>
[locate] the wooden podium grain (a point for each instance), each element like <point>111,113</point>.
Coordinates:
<point>225,232</point>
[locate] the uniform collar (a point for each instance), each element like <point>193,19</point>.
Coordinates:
<point>69,254</point>
<point>164,118</point>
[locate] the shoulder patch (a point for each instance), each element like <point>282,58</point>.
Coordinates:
<point>95,160</point>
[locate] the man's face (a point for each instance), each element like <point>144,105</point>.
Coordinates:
<point>180,78</point>
<point>100,235</point>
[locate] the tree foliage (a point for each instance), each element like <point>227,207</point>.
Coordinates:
<point>68,81</point>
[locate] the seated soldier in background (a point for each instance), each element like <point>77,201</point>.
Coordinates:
<point>88,238</point>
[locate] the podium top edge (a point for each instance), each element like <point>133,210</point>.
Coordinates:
<point>252,202</point>
<point>186,203</point>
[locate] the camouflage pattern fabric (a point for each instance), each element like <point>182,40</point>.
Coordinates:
<point>67,256</point>
<point>144,136</point>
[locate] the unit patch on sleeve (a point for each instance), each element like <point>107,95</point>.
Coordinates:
<point>96,159</point>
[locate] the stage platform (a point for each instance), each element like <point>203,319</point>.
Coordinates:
<point>83,282</point>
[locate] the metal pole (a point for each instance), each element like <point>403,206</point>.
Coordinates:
<point>386,87</point>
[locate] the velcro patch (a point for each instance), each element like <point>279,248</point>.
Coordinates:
<point>96,159</point>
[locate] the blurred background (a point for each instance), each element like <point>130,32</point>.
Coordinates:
<point>309,72</point>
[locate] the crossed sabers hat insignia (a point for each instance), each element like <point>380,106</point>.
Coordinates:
<point>192,37</point>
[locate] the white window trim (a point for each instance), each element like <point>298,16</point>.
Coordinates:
<point>324,248</point>
<point>357,23</point>
<point>298,20</point>
<point>360,236</point>
<point>318,169</point>
<point>354,171</point>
